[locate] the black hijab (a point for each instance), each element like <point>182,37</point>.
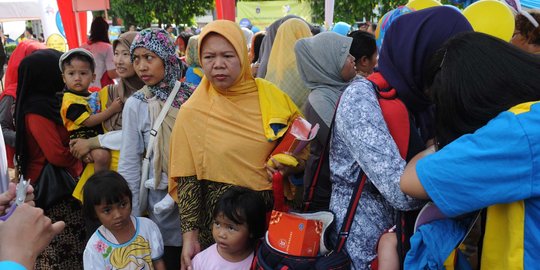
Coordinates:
<point>38,83</point>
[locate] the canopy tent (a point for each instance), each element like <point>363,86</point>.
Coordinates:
<point>20,10</point>
<point>62,19</point>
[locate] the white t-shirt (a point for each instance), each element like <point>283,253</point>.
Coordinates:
<point>209,259</point>
<point>103,251</point>
<point>103,56</point>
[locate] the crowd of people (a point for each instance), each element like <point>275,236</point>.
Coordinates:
<point>170,142</point>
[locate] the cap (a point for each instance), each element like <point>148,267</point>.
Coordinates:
<point>341,28</point>
<point>80,51</point>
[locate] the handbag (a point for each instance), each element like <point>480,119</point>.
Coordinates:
<point>143,191</point>
<point>53,185</point>
<point>269,258</point>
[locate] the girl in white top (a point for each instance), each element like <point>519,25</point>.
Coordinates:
<point>122,241</point>
<point>239,222</point>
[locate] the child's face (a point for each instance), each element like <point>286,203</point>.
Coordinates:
<point>148,66</point>
<point>78,75</point>
<point>232,239</point>
<point>115,217</point>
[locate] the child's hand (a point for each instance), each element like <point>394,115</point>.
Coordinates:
<point>88,159</point>
<point>116,105</point>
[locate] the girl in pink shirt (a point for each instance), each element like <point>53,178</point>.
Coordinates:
<point>239,222</point>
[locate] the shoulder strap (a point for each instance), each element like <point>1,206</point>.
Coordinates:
<point>351,211</point>
<point>160,118</point>
<point>145,171</point>
<point>324,156</point>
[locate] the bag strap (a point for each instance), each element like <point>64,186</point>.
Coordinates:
<point>351,211</point>
<point>160,118</point>
<point>324,156</point>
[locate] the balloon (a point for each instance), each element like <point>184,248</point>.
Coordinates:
<point>386,20</point>
<point>492,18</point>
<point>422,4</point>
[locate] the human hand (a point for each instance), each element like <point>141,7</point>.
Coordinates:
<point>285,170</point>
<point>26,234</point>
<point>88,159</point>
<point>116,106</point>
<point>190,248</point>
<point>79,148</point>
<point>7,197</point>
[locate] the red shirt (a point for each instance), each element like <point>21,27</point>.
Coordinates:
<point>48,141</point>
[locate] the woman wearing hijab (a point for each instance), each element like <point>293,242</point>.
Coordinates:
<point>8,95</point>
<point>194,72</point>
<point>282,69</point>
<point>224,134</point>
<point>156,63</point>
<point>267,43</point>
<point>486,157</point>
<point>41,139</point>
<point>361,140</point>
<point>326,68</point>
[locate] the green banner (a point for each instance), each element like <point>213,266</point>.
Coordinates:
<point>262,14</point>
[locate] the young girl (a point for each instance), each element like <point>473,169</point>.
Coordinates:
<point>122,241</point>
<point>239,222</point>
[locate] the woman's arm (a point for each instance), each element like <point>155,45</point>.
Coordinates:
<point>189,203</point>
<point>409,183</point>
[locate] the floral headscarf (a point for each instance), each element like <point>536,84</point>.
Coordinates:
<point>159,42</point>
<point>192,52</point>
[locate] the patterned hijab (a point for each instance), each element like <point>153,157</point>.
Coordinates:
<point>158,42</point>
<point>192,52</point>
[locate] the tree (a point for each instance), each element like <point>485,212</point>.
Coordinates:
<point>144,12</point>
<point>351,11</point>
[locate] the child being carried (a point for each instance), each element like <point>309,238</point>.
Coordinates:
<point>80,109</point>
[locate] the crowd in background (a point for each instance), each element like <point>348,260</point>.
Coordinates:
<point>170,140</point>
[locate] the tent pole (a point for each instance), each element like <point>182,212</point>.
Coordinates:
<point>78,25</point>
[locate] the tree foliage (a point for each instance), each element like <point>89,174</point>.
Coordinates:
<point>144,12</point>
<point>351,11</point>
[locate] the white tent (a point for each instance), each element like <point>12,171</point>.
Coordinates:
<point>20,10</point>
